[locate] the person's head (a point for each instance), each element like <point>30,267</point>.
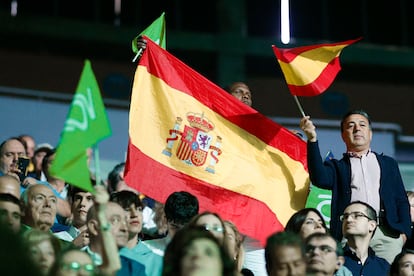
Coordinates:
<point>43,246</point>
<point>410,195</point>
<point>212,222</point>
<point>241,91</point>
<point>195,251</point>
<point>29,144</point>
<point>73,262</point>
<point>179,208</point>
<point>10,212</point>
<point>234,243</point>
<point>81,202</point>
<point>9,185</point>
<point>47,162</point>
<point>324,255</point>
<point>403,264</point>
<point>133,206</point>
<point>116,181</point>
<point>356,130</point>
<point>285,255</point>
<point>358,220</point>
<point>116,216</point>
<point>41,151</point>
<point>10,151</point>
<point>39,207</point>
<point>305,222</point>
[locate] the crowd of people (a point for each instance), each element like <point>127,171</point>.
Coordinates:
<point>60,229</point>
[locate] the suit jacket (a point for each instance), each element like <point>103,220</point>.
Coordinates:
<point>335,175</point>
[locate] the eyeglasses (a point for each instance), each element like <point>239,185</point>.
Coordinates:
<point>324,249</point>
<point>354,215</point>
<point>213,228</point>
<point>75,266</point>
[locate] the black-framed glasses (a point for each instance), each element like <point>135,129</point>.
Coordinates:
<point>354,215</point>
<point>324,249</point>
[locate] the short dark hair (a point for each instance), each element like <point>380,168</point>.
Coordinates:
<point>12,138</point>
<point>278,239</point>
<point>125,198</point>
<point>319,235</point>
<point>9,198</point>
<point>113,176</point>
<point>181,207</point>
<point>353,112</point>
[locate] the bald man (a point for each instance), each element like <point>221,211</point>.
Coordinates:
<point>9,185</point>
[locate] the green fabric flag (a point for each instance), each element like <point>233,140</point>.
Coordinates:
<point>86,124</point>
<point>155,31</point>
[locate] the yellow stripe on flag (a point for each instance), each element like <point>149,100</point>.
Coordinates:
<point>307,66</point>
<point>247,165</point>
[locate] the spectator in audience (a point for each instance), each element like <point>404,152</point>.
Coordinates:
<point>81,201</point>
<point>241,91</point>
<point>10,151</point>
<point>180,207</point>
<point>10,212</point>
<point>359,222</point>
<point>235,246</point>
<point>195,251</point>
<point>364,175</point>
<point>10,185</point>
<point>116,183</point>
<point>72,262</point>
<point>43,247</point>
<point>309,221</point>
<point>213,223</point>
<point>29,145</point>
<point>410,241</point>
<point>324,255</point>
<point>305,222</point>
<point>403,264</point>
<point>285,255</point>
<point>15,258</point>
<point>135,248</point>
<point>108,233</point>
<point>41,151</point>
<point>39,205</point>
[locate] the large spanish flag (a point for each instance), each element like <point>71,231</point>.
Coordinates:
<point>310,70</point>
<point>188,134</point>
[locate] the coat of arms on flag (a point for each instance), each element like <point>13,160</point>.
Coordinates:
<point>195,143</point>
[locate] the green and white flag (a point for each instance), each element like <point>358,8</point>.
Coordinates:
<point>155,31</point>
<point>86,124</point>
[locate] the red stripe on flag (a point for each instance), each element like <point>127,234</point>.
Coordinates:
<point>251,216</point>
<point>322,83</point>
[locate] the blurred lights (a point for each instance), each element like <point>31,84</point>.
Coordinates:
<point>13,8</point>
<point>284,21</point>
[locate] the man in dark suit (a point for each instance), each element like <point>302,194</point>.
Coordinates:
<point>363,175</point>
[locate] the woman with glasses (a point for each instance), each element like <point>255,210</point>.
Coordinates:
<point>73,262</point>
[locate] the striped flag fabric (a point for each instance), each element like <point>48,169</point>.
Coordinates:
<point>188,134</point>
<point>310,70</point>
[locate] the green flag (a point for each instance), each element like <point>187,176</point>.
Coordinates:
<point>155,31</point>
<point>86,124</point>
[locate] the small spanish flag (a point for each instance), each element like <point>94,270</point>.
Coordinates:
<point>188,134</point>
<point>310,70</point>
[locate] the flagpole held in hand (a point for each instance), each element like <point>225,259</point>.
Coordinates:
<point>299,105</point>
<point>97,167</point>
<point>137,55</point>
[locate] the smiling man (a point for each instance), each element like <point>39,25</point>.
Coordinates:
<point>363,175</point>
